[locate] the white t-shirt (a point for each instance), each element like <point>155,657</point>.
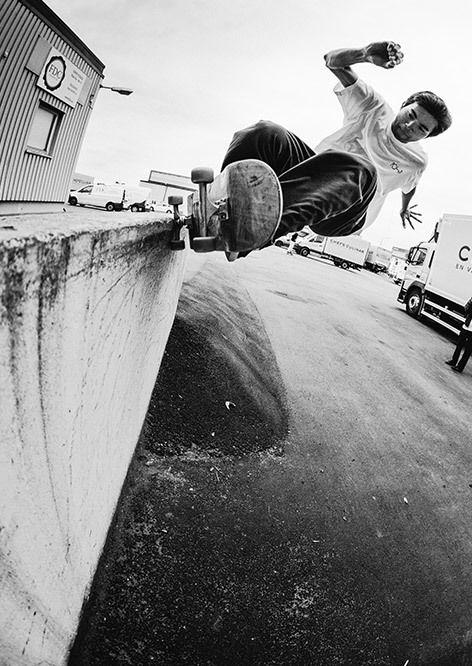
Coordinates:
<point>366,131</point>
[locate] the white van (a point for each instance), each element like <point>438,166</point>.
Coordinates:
<point>110,197</point>
<point>283,241</point>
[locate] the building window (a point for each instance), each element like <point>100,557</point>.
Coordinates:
<point>44,129</point>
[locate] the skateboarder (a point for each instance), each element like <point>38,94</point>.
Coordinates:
<point>372,129</point>
<point>332,191</point>
<point>464,341</point>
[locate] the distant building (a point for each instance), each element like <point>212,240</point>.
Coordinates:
<point>163,185</point>
<point>79,180</point>
<point>49,79</point>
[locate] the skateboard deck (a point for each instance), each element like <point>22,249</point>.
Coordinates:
<point>240,209</point>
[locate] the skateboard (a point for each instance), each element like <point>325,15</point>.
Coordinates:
<point>239,210</point>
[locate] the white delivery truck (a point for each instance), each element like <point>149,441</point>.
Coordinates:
<point>397,265</point>
<point>438,275</point>
<point>100,195</point>
<point>343,251</point>
<point>397,268</point>
<point>378,259</point>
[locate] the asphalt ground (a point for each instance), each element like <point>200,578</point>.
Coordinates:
<point>302,489</point>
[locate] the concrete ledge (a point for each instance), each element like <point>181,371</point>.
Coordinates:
<point>30,207</point>
<point>87,300</point>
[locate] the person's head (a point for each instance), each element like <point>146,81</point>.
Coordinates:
<point>422,115</point>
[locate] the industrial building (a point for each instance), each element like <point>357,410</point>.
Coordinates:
<point>48,81</point>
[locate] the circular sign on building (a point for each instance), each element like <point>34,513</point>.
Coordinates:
<point>54,72</point>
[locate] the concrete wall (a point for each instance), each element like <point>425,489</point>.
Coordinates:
<point>87,300</point>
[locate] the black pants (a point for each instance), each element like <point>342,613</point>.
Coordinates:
<point>329,192</point>
<point>464,342</point>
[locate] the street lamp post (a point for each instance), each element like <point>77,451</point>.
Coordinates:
<point>120,91</point>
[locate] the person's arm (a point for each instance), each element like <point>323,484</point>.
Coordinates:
<point>406,213</point>
<point>382,54</point>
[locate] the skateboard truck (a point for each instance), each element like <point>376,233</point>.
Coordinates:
<point>200,241</point>
<point>176,242</point>
<point>236,212</point>
<point>197,220</point>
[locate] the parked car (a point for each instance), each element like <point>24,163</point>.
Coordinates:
<point>139,207</point>
<point>158,207</point>
<point>135,199</point>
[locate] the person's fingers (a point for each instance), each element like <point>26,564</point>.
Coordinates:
<point>394,53</point>
<point>393,47</point>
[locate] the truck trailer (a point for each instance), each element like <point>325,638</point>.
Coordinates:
<point>343,251</point>
<point>438,275</point>
<point>378,259</point>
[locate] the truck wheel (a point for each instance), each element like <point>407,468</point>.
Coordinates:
<point>344,264</point>
<point>278,243</point>
<point>304,252</point>
<point>134,208</point>
<point>73,201</point>
<point>413,303</point>
<point>110,206</point>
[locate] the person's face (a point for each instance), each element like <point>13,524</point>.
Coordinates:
<point>413,123</point>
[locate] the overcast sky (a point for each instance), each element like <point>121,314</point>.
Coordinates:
<point>201,69</point>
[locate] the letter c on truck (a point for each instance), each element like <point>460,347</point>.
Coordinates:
<point>462,253</point>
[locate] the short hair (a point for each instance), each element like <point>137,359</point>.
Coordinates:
<point>433,105</point>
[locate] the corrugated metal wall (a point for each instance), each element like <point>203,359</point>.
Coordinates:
<point>25,176</point>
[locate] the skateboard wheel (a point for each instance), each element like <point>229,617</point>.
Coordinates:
<point>204,244</point>
<point>175,200</point>
<point>177,245</point>
<point>202,175</point>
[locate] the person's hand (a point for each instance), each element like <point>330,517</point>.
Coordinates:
<point>384,54</point>
<point>408,215</point>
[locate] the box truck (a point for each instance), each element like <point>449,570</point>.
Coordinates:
<point>378,259</point>
<point>396,269</point>
<point>343,251</point>
<point>397,266</point>
<point>438,275</point>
